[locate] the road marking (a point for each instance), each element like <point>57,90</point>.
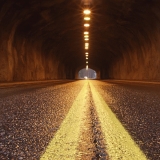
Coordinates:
<point>119,144</point>
<point>65,142</point>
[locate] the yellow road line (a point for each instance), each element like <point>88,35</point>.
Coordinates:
<point>119,144</point>
<point>65,142</point>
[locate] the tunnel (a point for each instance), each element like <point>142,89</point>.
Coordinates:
<point>87,73</point>
<point>79,79</point>
<point>43,40</point>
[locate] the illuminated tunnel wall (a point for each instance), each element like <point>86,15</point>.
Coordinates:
<point>43,40</point>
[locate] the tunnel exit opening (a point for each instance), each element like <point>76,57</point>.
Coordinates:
<point>87,74</point>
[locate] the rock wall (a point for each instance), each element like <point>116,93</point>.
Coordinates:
<point>24,54</point>
<point>24,59</point>
<point>42,40</point>
<point>141,58</point>
<point>142,64</point>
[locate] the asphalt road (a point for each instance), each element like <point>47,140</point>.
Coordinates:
<point>80,120</point>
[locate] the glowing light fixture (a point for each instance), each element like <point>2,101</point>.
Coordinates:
<point>86,11</point>
<point>87,18</point>
<point>86,44</point>
<point>86,25</point>
<point>86,47</point>
<point>86,32</point>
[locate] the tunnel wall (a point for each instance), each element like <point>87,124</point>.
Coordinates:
<point>24,60</point>
<point>140,65</point>
<point>141,59</point>
<point>23,55</point>
<point>39,43</point>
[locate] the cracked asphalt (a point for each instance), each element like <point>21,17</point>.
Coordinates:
<point>32,115</point>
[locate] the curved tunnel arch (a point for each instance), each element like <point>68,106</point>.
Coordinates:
<point>43,40</point>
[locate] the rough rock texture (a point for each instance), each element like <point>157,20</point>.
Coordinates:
<point>31,44</point>
<point>137,48</point>
<point>44,39</point>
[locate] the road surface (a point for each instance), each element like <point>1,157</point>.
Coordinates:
<point>85,119</point>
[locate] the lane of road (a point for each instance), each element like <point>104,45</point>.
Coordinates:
<point>29,119</point>
<point>118,142</point>
<point>53,122</point>
<point>9,89</point>
<point>137,106</point>
<point>65,142</point>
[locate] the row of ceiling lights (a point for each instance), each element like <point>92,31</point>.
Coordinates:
<point>87,18</point>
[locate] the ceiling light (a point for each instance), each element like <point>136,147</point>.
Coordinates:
<point>86,25</point>
<point>86,11</point>
<point>86,32</point>
<point>87,18</point>
<point>86,44</point>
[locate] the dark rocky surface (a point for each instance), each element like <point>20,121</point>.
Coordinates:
<point>137,106</point>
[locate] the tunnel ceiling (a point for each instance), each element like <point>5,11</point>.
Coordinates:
<point>117,26</point>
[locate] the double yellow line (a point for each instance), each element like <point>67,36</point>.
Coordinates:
<point>119,144</point>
